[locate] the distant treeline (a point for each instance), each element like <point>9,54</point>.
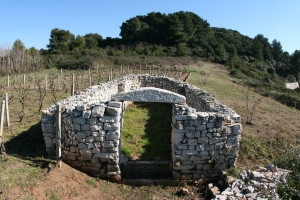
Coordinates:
<point>180,34</point>
<point>257,62</point>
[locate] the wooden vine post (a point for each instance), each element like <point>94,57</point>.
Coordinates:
<point>58,137</point>
<point>73,85</point>
<point>2,118</point>
<point>8,85</point>
<point>2,148</point>
<point>46,82</point>
<point>24,80</point>
<point>7,110</point>
<point>90,77</point>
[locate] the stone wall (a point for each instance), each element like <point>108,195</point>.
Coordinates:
<point>205,136</point>
<point>202,143</point>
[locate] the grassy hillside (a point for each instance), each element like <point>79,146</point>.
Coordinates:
<point>24,175</point>
<point>274,124</point>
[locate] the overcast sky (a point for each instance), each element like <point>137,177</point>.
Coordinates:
<point>32,20</point>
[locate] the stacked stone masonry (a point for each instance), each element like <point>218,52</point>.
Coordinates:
<point>205,133</point>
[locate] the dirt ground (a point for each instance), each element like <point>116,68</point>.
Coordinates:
<point>67,183</point>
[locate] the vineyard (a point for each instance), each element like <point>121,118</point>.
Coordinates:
<point>28,94</point>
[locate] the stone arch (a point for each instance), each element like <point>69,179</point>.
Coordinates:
<point>149,94</point>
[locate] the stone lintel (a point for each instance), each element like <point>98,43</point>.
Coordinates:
<point>150,94</point>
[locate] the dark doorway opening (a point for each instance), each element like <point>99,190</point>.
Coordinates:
<point>146,140</point>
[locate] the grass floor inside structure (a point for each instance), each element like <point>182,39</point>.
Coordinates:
<point>146,133</point>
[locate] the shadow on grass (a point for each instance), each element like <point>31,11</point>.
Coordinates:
<point>157,131</point>
<point>30,146</point>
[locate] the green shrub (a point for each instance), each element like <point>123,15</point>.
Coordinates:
<point>75,63</point>
<point>290,159</point>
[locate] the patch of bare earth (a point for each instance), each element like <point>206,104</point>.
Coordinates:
<point>67,183</point>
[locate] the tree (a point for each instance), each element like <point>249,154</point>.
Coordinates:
<point>276,50</point>
<point>93,40</point>
<point>60,41</point>
<point>295,62</point>
<point>18,46</point>
<point>79,42</point>
<point>257,49</point>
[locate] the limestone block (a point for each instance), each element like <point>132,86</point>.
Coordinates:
<point>95,127</point>
<point>81,146</point>
<point>176,175</point>
<point>99,139</point>
<point>186,176</point>
<point>212,118</point>
<point>76,127</point>
<point>85,127</point>
<point>86,114</point>
<point>48,142</point>
<point>48,128</point>
<point>113,168</point>
<point>203,140</point>
<point>78,120</point>
<point>112,135</point>
<point>203,153</point>
<point>95,160</point>
<point>232,141</point>
<point>80,135</point>
<point>73,149</point>
<point>181,147</point>
<point>201,127</point>
<point>85,154</point>
<point>108,144</point>
<point>210,125</point>
<point>98,111</point>
<point>209,147</point>
<point>81,107</point>
<point>96,150</point>
<point>183,167</point>
<point>207,167</point>
<point>189,152</point>
<point>213,140</point>
<point>76,113</point>
<point>236,129</point>
<point>192,134</point>
<point>47,119</point>
<point>200,147</point>
<point>179,125</point>
<point>49,134</point>
<point>71,156</point>
<point>150,94</point>
<point>90,139</point>
<point>97,144</point>
<point>110,149</point>
<point>109,119</point>
<point>181,117</point>
<point>95,133</point>
<point>192,141</point>
<point>216,134</point>
<point>107,156</point>
<point>115,104</point>
<point>92,120</point>
<point>112,111</point>
<point>111,126</point>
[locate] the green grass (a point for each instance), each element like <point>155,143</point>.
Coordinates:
<point>91,182</point>
<point>147,131</point>
<point>52,195</point>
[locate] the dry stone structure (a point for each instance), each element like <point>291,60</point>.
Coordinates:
<point>205,133</point>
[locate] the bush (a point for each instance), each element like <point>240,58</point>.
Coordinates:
<point>290,159</point>
<point>75,63</point>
